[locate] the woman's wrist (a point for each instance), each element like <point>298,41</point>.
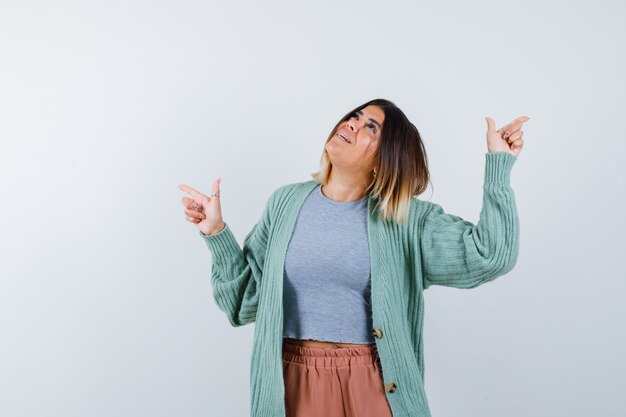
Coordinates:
<point>498,166</point>
<point>218,229</point>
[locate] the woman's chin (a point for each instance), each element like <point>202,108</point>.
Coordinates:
<point>332,147</point>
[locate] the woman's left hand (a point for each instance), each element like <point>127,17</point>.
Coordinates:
<point>506,139</point>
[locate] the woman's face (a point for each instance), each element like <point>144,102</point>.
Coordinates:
<point>362,131</point>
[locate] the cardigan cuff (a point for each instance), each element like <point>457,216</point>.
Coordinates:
<point>222,244</point>
<point>498,167</point>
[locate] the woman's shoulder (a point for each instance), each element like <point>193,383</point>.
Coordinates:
<point>293,186</point>
<point>420,207</point>
<point>290,189</point>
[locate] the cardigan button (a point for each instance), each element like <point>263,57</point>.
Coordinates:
<point>377,333</point>
<point>391,387</point>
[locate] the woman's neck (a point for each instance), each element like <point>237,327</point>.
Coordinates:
<point>344,188</point>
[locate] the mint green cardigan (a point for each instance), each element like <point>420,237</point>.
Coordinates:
<point>432,248</point>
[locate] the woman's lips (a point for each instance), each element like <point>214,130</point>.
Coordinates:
<point>341,137</point>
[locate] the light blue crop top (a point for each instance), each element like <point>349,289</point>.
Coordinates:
<point>327,289</point>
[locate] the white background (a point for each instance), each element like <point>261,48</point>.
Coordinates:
<point>106,107</point>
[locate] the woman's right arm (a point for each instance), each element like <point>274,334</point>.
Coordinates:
<point>236,272</point>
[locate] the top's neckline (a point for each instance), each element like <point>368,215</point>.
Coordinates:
<point>321,195</point>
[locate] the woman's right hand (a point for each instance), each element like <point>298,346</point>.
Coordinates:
<point>204,211</point>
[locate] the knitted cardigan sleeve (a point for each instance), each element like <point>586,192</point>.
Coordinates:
<point>457,253</point>
<point>236,272</point>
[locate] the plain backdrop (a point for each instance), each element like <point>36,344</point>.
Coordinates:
<point>106,107</point>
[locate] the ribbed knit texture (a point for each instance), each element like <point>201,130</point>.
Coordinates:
<point>433,248</point>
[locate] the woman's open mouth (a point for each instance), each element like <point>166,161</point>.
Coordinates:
<point>343,137</point>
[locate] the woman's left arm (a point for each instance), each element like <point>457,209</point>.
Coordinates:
<point>457,253</point>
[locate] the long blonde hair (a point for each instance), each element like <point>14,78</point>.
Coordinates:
<point>402,164</point>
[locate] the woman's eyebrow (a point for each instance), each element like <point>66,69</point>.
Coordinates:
<point>360,113</point>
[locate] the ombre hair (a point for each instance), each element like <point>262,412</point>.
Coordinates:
<point>401,163</point>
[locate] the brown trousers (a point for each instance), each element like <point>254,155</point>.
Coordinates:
<point>333,382</point>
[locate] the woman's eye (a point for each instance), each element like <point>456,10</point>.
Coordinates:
<point>371,125</point>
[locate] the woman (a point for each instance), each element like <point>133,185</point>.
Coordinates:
<point>333,272</point>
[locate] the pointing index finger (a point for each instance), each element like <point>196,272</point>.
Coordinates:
<point>520,120</point>
<point>513,127</point>
<point>191,191</point>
